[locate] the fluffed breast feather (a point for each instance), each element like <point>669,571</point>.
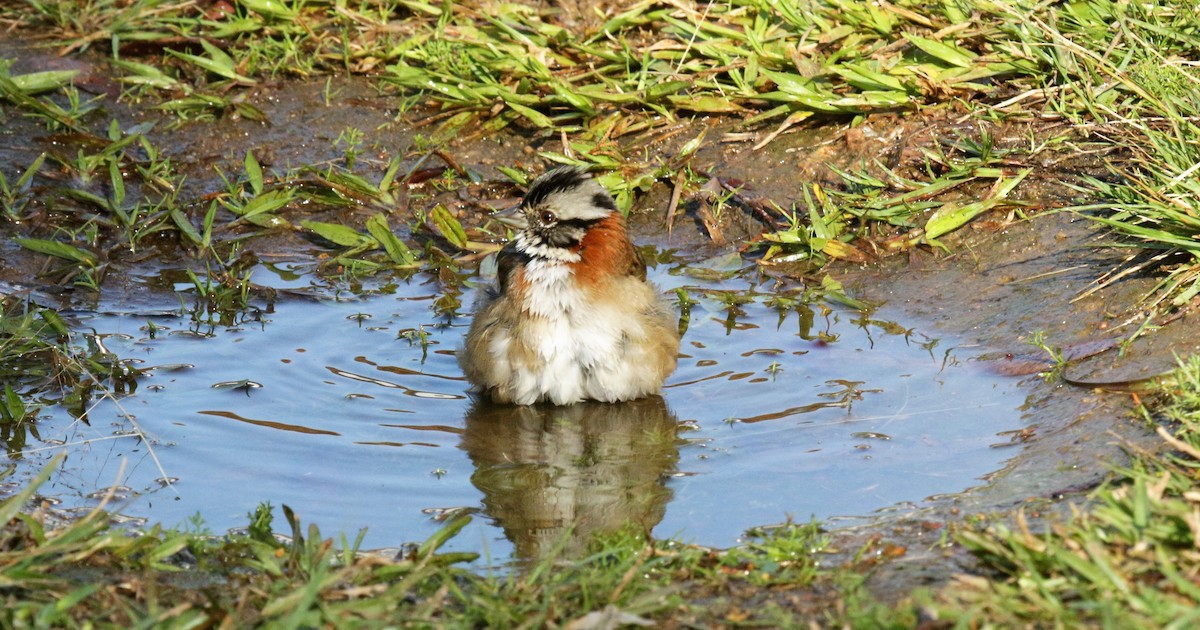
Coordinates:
<point>623,340</point>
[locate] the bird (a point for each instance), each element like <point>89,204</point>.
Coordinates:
<point>571,316</point>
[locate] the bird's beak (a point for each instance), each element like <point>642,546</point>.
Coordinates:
<point>513,217</point>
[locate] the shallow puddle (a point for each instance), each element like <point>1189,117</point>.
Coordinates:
<point>353,413</point>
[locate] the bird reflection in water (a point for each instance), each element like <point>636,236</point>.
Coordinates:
<point>552,471</point>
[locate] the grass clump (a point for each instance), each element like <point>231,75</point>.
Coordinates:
<point>1125,73</point>
<point>1130,560</point>
<point>91,570</point>
<point>42,364</point>
<point>513,61</point>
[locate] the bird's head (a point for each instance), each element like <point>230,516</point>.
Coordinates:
<point>558,210</point>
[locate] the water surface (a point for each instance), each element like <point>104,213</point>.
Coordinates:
<point>353,412</point>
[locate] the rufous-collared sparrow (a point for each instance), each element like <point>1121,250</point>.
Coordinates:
<point>571,317</point>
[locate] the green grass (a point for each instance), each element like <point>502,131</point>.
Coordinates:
<point>472,68</point>
<point>1126,74</point>
<point>92,571</point>
<point>1129,560</point>
<point>42,363</point>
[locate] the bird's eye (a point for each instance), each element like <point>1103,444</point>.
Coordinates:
<point>548,217</point>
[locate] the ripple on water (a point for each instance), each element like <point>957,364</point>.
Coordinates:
<point>801,412</point>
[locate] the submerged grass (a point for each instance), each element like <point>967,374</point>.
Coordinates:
<point>42,363</point>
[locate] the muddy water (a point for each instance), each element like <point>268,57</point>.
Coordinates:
<point>337,408</point>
